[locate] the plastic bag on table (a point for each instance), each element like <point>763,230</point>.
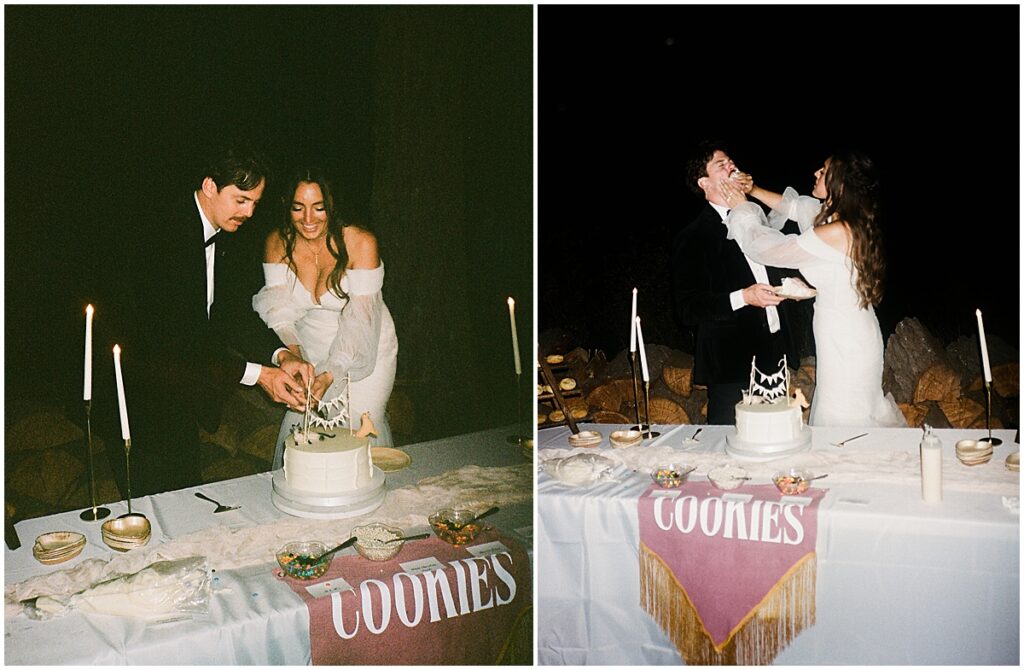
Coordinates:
<point>165,590</point>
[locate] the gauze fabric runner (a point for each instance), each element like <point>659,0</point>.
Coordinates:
<point>729,575</point>
<point>465,613</point>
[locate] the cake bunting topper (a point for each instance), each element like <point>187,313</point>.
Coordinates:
<point>765,388</point>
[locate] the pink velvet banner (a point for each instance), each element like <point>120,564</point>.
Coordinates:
<point>462,613</point>
<point>728,549</point>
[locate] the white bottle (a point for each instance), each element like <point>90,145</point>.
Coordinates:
<point>931,467</point>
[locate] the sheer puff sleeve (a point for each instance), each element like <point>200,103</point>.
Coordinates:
<point>275,305</point>
<point>800,208</point>
<point>353,352</point>
<point>760,242</point>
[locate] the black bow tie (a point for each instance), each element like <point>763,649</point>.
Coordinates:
<point>210,241</point>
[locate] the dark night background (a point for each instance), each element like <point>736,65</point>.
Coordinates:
<point>931,93</point>
<point>423,114</point>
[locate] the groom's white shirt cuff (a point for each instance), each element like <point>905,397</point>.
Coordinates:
<point>252,373</point>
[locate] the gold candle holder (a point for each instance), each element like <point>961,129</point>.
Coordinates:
<point>994,441</point>
<point>95,513</point>
<point>636,395</point>
<point>518,437</point>
<point>648,434</point>
<point>128,476</point>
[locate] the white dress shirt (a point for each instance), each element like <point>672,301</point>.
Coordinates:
<point>760,274</point>
<point>252,370</point>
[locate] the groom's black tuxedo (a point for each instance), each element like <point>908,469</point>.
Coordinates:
<point>706,268</point>
<point>183,365</point>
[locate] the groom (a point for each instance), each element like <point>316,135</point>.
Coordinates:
<point>723,295</point>
<point>197,336</point>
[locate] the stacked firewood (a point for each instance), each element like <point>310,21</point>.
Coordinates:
<point>932,384</point>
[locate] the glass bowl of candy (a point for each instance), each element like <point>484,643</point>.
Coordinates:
<point>671,476</point>
<point>294,559</point>
<point>455,526</point>
<point>378,542</point>
<point>793,481</point>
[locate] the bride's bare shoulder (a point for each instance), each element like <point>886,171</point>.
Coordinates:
<point>834,235</point>
<point>273,248</point>
<point>361,247</point>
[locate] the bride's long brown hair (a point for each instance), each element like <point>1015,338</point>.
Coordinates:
<point>335,237</point>
<point>852,183</point>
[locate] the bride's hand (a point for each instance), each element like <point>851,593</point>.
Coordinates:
<point>321,383</point>
<point>743,181</point>
<point>731,194</point>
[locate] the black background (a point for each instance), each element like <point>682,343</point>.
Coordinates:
<point>931,93</point>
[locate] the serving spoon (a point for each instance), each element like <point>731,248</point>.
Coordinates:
<point>307,561</point>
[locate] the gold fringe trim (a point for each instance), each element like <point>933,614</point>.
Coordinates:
<point>785,611</point>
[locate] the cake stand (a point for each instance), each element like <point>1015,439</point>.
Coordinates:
<point>763,452</point>
<point>318,506</point>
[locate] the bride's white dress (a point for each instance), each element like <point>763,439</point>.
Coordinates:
<point>847,338</point>
<point>353,337</point>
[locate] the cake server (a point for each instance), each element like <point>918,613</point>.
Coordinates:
<point>220,508</point>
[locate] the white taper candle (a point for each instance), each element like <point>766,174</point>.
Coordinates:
<point>515,337</point>
<point>632,325</point>
<point>121,405</point>
<point>87,390</point>
<point>643,354</point>
<point>984,348</point>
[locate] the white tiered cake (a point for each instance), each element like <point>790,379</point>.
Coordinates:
<point>328,474</point>
<point>769,423</point>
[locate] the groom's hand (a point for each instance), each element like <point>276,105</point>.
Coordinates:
<point>761,295</point>
<point>300,372</point>
<point>283,387</point>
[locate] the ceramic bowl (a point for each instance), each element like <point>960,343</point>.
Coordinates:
<point>287,555</point>
<point>58,546</point>
<point>727,477</point>
<point>126,532</point>
<point>625,438</point>
<point>585,438</point>
<point>371,543</point>
<point>971,452</point>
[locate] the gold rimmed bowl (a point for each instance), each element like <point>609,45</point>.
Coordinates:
<point>973,452</point>
<point>58,546</point>
<point>585,438</point>
<point>126,532</point>
<point>625,438</point>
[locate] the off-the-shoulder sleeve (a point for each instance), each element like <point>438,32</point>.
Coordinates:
<point>800,208</point>
<point>353,353</point>
<point>275,304</point>
<point>748,226</point>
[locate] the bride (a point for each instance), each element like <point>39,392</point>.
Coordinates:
<point>840,252</point>
<point>323,299</point>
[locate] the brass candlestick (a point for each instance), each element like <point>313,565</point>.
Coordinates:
<point>636,395</point>
<point>518,437</point>
<point>648,434</point>
<point>994,441</point>
<point>128,476</point>
<point>95,513</point>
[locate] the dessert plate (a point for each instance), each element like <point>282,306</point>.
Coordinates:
<point>390,459</point>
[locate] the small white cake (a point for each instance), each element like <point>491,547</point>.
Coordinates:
<point>330,463</point>
<point>769,423</point>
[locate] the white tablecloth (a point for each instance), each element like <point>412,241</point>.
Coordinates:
<point>900,581</point>
<point>254,619</point>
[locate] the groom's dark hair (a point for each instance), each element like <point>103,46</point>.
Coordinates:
<point>697,164</point>
<point>235,163</point>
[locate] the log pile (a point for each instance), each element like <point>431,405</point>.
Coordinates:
<point>943,386</point>
<point>933,384</point>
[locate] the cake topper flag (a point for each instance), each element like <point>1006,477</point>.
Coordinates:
<point>767,388</point>
<point>335,412</point>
